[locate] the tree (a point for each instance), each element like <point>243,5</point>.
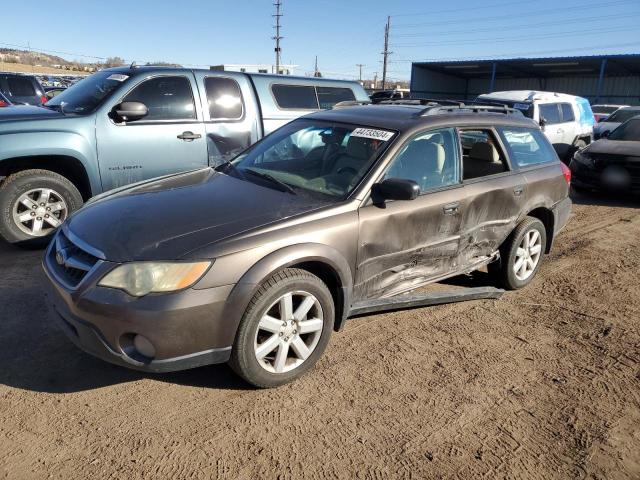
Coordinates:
<point>114,62</point>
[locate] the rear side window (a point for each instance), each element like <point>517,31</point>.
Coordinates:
<point>528,146</point>
<point>482,155</point>
<point>329,96</point>
<point>567,113</point>
<point>550,113</point>
<point>167,98</point>
<point>224,98</point>
<point>21,87</point>
<point>300,97</point>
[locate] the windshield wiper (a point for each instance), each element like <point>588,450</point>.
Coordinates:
<point>283,186</point>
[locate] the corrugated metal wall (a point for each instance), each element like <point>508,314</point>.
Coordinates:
<point>426,83</point>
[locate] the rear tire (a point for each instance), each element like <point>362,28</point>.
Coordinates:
<point>520,255</point>
<point>33,203</point>
<point>284,330</point>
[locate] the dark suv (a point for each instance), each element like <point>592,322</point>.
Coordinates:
<point>22,89</point>
<point>257,261</point>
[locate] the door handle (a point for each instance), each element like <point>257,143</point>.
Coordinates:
<point>189,136</point>
<point>517,191</point>
<point>451,208</point>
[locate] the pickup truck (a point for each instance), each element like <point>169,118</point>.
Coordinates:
<point>124,125</point>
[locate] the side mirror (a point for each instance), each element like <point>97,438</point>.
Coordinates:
<point>129,111</point>
<point>543,122</point>
<point>605,134</point>
<point>395,189</point>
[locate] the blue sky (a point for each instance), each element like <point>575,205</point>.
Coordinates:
<point>341,32</point>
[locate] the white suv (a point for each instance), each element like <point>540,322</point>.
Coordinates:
<point>566,120</point>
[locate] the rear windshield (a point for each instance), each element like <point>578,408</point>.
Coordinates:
<point>21,87</point>
<point>629,131</point>
<point>623,115</point>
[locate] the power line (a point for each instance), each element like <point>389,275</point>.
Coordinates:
<point>515,39</point>
<point>502,29</point>
<point>493,18</point>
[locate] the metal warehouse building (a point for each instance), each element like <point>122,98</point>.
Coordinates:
<point>613,79</point>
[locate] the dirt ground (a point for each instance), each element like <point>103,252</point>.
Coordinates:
<point>543,383</point>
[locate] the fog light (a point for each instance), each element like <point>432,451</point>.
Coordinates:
<point>144,346</point>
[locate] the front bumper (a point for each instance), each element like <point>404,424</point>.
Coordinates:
<point>186,328</point>
<point>591,178</point>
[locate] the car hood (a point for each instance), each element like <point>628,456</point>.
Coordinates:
<point>27,112</point>
<point>614,147</point>
<point>168,218</point>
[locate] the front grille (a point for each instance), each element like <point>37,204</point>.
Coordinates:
<point>70,262</point>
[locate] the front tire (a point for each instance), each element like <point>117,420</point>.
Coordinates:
<point>33,204</point>
<point>521,255</point>
<point>284,330</point>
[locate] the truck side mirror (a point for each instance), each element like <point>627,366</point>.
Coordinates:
<point>543,122</point>
<point>129,111</point>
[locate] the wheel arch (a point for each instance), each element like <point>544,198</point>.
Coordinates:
<point>68,166</point>
<point>324,261</point>
<point>545,215</point>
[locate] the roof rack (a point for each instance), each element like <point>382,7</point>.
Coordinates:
<point>421,101</point>
<point>350,103</point>
<point>473,108</point>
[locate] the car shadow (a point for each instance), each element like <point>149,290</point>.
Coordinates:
<point>605,199</point>
<point>36,355</point>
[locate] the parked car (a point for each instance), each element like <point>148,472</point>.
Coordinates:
<point>601,112</point>
<point>4,101</point>
<point>395,94</point>
<point>123,125</point>
<point>611,163</point>
<point>614,120</point>
<point>257,261</point>
<point>22,89</point>
<point>51,92</point>
<point>566,120</point>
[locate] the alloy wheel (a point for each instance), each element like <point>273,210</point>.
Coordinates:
<point>527,255</point>
<point>288,332</point>
<point>40,211</point>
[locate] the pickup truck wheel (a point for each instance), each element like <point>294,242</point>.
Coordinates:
<point>521,254</point>
<point>284,330</point>
<point>33,204</point>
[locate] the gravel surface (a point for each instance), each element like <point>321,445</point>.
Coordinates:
<point>543,383</point>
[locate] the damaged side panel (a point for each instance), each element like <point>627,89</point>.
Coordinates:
<point>403,245</point>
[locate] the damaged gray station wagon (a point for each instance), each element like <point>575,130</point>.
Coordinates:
<point>258,260</point>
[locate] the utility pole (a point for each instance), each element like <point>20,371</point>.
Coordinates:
<point>375,80</point>
<point>316,72</point>
<point>360,65</point>
<point>278,37</point>
<point>385,53</point>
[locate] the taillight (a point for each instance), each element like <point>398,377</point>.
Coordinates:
<point>43,99</point>
<point>566,172</point>
<point>3,103</point>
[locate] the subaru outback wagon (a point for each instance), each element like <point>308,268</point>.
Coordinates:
<point>257,261</point>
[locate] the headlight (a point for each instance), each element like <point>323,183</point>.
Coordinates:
<point>141,278</point>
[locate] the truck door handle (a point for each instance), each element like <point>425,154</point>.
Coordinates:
<point>451,208</point>
<point>517,191</point>
<point>189,136</point>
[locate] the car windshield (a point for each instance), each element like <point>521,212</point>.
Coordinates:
<point>623,115</point>
<point>628,131</point>
<point>525,107</point>
<point>87,94</point>
<point>310,156</point>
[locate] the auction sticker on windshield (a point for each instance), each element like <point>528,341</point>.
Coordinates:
<point>372,133</point>
<point>118,76</point>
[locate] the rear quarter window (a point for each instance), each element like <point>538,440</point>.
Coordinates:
<point>527,146</point>
<point>329,96</point>
<point>300,97</point>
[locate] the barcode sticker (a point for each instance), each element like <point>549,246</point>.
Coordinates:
<point>372,133</point>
